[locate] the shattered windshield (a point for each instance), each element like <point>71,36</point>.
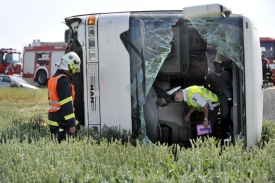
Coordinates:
<point>224,34</point>
<point>152,36</point>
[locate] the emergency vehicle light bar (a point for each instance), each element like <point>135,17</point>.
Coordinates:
<point>8,50</point>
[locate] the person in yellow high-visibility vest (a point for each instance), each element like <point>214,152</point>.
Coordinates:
<point>200,99</point>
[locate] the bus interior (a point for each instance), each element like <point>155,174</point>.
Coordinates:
<point>167,51</point>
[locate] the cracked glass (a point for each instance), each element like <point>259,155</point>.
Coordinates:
<point>151,36</point>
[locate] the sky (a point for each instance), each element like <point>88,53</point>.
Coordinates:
<point>22,21</point>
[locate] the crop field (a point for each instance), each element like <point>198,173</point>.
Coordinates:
<point>28,154</point>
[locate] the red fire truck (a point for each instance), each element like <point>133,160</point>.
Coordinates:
<point>267,49</point>
<point>10,56</point>
<point>39,59</point>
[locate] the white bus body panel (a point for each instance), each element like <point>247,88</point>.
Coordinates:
<point>253,83</point>
<point>110,75</point>
<point>114,75</point>
<point>28,62</point>
<point>203,11</point>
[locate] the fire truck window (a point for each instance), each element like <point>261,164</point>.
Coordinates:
<point>268,49</point>
<point>270,52</point>
<point>43,59</point>
<point>8,57</point>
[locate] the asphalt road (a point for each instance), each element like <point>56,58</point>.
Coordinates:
<point>269,103</point>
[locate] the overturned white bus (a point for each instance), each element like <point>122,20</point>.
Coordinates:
<point>131,59</point>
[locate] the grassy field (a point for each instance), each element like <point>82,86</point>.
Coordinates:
<point>27,154</point>
<point>23,103</point>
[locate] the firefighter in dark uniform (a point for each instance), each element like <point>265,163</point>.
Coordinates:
<point>61,117</point>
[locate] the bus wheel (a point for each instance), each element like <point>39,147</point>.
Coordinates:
<point>41,77</point>
<point>165,137</point>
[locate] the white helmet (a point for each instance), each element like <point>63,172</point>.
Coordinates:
<point>73,61</point>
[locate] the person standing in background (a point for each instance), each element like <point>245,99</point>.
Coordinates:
<point>9,70</point>
<point>264,66</point>
<point>213,83</point>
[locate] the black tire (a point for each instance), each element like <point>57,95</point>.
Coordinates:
<point>66,35</point>
<point>165,136</point>
<point>41,77</point>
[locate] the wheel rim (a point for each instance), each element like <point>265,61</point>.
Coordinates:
<point>41,78</point>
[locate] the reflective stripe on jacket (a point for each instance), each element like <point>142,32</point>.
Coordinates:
<point>53,96</point>
<point>54,123</point>
<point>60,95</point>
<point>205,93</point>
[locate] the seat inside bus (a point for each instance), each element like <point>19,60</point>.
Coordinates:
<point>170,115</point>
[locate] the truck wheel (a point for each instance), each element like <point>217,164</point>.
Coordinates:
<point>41,77</point>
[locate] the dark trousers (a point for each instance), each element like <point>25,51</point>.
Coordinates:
<point>61,135</point>
<point>264,72</point>
<point>212,117</point>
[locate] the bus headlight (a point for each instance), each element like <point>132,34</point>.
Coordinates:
<point>91,31</point>
<point>91,43</point>
<point>92,55</point>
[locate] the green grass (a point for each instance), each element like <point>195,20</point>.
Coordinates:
<point>27,154</point>
<point>23,103</point>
